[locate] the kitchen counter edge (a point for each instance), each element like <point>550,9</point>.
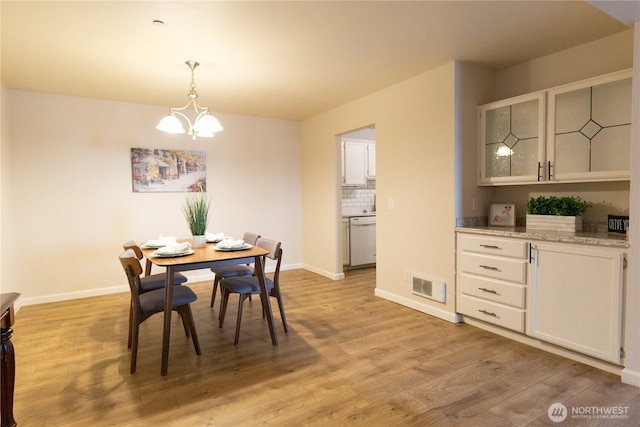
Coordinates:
<point>581,237</point>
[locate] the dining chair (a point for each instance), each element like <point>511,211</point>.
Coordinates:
<point>233,270</point>
<point>150,282</point>
<point>246,286</point>
<point>146,304</point>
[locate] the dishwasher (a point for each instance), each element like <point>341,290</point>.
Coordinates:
<point>362,240</point>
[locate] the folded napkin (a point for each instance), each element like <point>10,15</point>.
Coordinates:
<point>176,248</point>
<point>214,237</point>
<point>161,241</point>
<point>230,244</point>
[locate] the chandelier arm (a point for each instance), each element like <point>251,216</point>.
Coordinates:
<point>174,111</point>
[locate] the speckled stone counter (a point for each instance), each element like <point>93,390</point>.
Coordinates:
<point>585,238</point>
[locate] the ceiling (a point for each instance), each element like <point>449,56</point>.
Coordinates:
<point>287,60</point>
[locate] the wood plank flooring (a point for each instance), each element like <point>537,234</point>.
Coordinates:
<point>350,358</point>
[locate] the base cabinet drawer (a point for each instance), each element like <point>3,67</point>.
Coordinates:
<point>493,246</point>
<point>498,314</point>
<point>510,270</point>
<point>493,290</point>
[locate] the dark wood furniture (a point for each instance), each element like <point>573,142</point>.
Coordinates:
<point>8,359</point>
<point>206,258</point>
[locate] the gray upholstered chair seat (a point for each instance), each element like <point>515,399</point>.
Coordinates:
<point>245,285</point>
<point>156,281</point>
<point>154,300</point>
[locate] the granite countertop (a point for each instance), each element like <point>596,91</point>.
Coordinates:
<point>582,237</point>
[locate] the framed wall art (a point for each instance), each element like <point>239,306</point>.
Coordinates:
<point>155,170</point>
<point>502,214</point>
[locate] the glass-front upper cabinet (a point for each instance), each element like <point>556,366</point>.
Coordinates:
<point>589,129</point>
<point>578,132</point>
<point>512,140</point>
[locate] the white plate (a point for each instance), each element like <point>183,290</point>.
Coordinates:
<point>174,255</point>
<point>153,246</point>
<point>233,249</point>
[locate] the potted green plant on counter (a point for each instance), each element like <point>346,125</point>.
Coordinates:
<point>556,213</point>
<point>196,212</point>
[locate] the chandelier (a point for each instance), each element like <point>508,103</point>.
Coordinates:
<point>204,125</point>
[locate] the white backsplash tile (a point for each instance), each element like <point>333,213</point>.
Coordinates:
<point>356,199</point>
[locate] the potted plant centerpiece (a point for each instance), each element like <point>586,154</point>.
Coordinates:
<point>196,212</point>
<point>556,213</point>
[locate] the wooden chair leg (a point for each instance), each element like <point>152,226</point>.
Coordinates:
<point>282,316</point>
<point>216,282</point>
<point>187,316</point>
<point>224,299</point>
<point>134,343</point>
<point>130,324</point>
<point>185,325</point>
<point>240,304</point>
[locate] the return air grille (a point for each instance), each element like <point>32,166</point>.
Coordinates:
<point>428,288</point>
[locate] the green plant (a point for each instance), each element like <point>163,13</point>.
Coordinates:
<point>196,212</point>
<point>565,206</point>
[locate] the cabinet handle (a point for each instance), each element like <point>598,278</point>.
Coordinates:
<point>490,246</point>
<point>539,169</point>
<point>491,291</point>
<point>550,170</point>
<point>488,267</point>
<point>488,313</point>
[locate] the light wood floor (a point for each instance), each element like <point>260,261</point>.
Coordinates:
<point>350,358</point>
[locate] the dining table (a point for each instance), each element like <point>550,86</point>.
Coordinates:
<point>205,258</point>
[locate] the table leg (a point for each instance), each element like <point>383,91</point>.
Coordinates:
<point>8,379</point>
<point>264,297</point>
<point>166,332</point>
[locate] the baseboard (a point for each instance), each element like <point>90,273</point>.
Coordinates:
<point>193,276</point>
<point>630,377</point>
<point>327,274</point>
<point>416,305</point>
<point>71,295</point>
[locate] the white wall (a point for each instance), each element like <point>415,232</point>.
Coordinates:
<point>415,147</point>
<point>70,206</point>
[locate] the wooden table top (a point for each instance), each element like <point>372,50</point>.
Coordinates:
<point>203,255</point>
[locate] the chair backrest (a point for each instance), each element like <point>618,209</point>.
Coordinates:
<point>134,246</point>
<point>250,238</point>
<point>275,253</point>
<point>132,269</point>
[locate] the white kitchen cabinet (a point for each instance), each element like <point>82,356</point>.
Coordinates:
<point>512,140</point>
<point>572,133</point>
<point>575,298</point>
<point>345,241</point>
<point>589,129</point>
<point>371,160</point>
<point>492,275</point>
<point>358,161</point>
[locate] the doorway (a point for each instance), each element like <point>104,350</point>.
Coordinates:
<point>358,192</point>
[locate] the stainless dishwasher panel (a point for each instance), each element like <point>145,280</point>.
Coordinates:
<point>362,233</point>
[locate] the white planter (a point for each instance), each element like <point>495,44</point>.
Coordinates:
<point>554,223</point>
<point>199,241</point>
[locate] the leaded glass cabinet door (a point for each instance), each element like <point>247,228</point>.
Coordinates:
<point>589,129</point>
<point>512,140</point>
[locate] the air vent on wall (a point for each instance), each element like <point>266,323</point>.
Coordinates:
<point>428,288</point>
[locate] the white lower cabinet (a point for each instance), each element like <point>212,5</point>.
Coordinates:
<point>345,241</point>
<point>492,274</point>
<point>565,294</point>
<point>575,298</point>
